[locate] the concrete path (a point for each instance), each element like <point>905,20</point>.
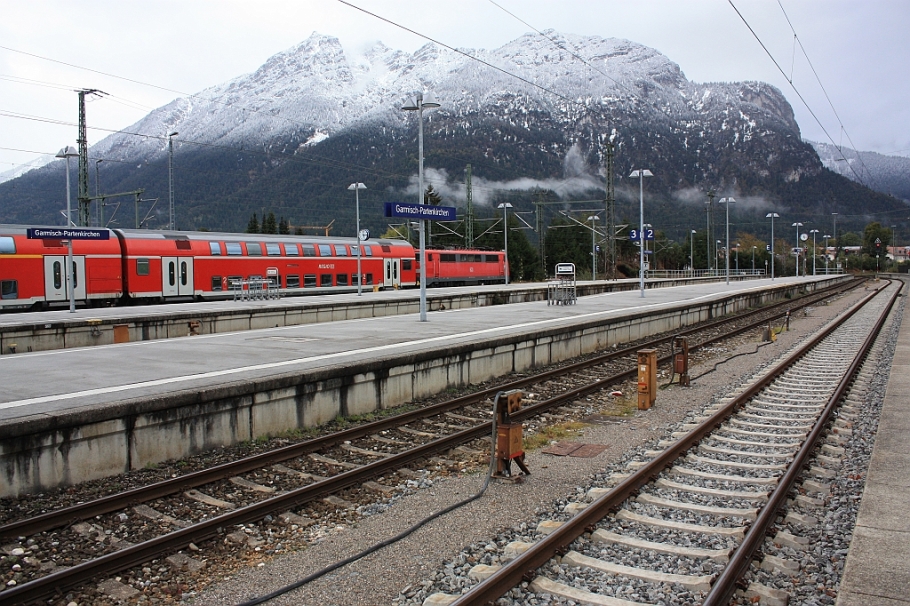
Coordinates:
<point>877,572</point>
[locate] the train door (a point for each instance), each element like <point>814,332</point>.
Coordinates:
<point>391,277</point>
<point>55,277</point>
<point>177,276</point>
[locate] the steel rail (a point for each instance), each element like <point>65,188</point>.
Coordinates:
<point>523,567</point>
<point>142,552</point>
<point>725,585</point>
<point>82,511</point>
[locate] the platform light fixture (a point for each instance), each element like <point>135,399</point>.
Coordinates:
<point>357,187</point>
<point>797,225</point>
<point>727,202</point>
<point>67,153</point>
<point>640,174</point>
<point>172,219</point>
<point>814,249</point>
<point>593,219</point>
<point>772,216</point>
<point>418,104</point>
<point>505,206</point>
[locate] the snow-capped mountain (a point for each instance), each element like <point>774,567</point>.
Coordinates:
<point>886,174</point>
<point>534,113</point>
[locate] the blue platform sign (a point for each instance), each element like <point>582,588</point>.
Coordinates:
<point>67,233</point>
<point>635,234</point>
<point>426,212</point>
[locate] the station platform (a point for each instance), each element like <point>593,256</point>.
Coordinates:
<point>95,326</point>
<point>74,414</point>
<point>877,571</point>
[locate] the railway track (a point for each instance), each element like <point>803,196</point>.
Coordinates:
<point>682,523</point>
<point>127,529</point>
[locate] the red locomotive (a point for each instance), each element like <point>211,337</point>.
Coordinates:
<point>156,266</point>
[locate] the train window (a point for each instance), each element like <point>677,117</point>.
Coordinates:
<point>254,249</point>
<point>446,258</point>
<point>183,245</point>
<point>354,250</point>
<point>292,250</point>
<point>183,273</point>
<point>292,281</point>
<point>272,249</point>
<point>386,248</point>
<point>215,247</point>
<point>234,282</point>
<point>341,250</point>
<point>354,278</point>
<point>7,245</point>
<point>58,275</point>
<point>429,257</point>
<point>406,265</point>
<point>309,281</point>
<point>367,250</point>
<point>325,250</point>
<point>341,280</point>
<point>325,280</point>
<point>491,258</point>
<point>216,283</point>
<point>9,289</point>
<point>309,250</point>
<point>142,267</point>
<point>233,248</point>
<point>369,279</point>
<point>171,274</point>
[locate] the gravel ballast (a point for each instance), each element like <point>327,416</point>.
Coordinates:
<point>406,571</point>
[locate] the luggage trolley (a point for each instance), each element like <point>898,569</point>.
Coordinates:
<point>561,291</point>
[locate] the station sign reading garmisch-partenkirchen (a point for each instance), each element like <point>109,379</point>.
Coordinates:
<point>67,233</point>
<point>425,212</point>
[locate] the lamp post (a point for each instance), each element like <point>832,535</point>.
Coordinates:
<point>814,249</point>
<point>708,235</point>
<point>826,236</point>
<point>772,216</point>
<point>641,173</point>
<point>418,104</point>
<point>753,259</point>
<point>592,219</point>
<point>737,258</point>
<point>834,220</point>
<point>727,202</point>
<point>797,225</point>
<point>172,220</point>
<point>357,187</point>
<point>67,153</point>
<point>893,245</point>
<point>505,206</point>
<point>692,252</point>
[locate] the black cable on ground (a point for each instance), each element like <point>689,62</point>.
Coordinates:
<point>725,360</point>
<point>389,541</point>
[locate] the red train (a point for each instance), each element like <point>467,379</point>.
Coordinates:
<point>157,266</point>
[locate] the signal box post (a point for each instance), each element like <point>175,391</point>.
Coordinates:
<point>508,434</point>
<point>647,378</point>
<point>681,359</point>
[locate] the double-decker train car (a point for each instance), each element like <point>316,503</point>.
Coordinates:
<point>163,265</point>
<point>33,271</point>
<point>157,266</point>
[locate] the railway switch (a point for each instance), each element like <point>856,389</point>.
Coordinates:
<point>508,434</point>
<point>681,359</point>
<point>647,378</point>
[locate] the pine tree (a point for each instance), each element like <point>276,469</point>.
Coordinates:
<point>283,226</point>
<point>253,226</point>
<point>269,225</point>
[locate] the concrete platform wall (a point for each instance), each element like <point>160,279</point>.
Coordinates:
<point>44,452</point>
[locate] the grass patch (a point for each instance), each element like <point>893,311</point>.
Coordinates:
<point>545,435</point>
<point>620,407</point>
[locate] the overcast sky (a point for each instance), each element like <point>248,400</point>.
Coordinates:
<point>163,49</point>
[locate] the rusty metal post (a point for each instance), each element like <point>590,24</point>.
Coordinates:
<point>647,378</point>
